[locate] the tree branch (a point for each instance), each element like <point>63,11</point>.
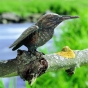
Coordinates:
<point>30,66</point>
<point>56,62</point>
<point>8,68</point>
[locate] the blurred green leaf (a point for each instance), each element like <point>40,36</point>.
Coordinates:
<point>1,84</point>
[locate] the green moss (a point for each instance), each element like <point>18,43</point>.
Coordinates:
<point>12,74</point>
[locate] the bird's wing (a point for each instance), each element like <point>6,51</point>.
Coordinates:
<point>27,32</point>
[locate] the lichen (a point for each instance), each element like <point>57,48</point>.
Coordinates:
<point>67,53</point>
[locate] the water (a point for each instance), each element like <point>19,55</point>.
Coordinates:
<point>8,34</point>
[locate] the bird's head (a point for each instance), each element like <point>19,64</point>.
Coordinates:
<point>52,19</point>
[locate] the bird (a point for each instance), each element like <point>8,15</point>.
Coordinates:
<point>40,32</point>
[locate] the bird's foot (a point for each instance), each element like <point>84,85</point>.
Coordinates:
<point>39,54</point>
<point>36,53</point>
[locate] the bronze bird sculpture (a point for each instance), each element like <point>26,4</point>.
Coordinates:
<point>41,32</point>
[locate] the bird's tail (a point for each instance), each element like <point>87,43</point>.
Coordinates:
<point>16,47</point>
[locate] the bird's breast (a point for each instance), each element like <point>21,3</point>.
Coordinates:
<point>40,38</point>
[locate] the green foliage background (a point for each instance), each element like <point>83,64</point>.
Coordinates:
<point>74,34</point>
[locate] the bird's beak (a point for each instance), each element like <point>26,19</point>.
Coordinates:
<point>64,17</point>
